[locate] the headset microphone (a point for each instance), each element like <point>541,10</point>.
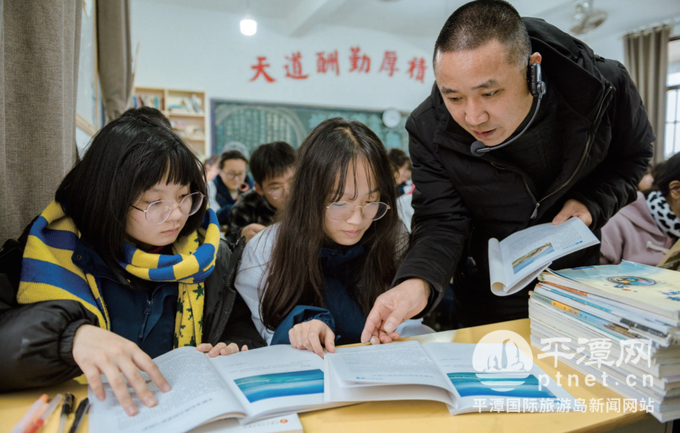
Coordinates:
<point>537,88</point>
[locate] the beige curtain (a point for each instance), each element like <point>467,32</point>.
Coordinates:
<point>646,57</point>
<point>114,55</point>
<point>40,43</point>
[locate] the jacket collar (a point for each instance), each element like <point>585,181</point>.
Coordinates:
<point>638,214</point>
<point>338,254</point>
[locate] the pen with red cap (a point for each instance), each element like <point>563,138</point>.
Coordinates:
<point>45,415</point>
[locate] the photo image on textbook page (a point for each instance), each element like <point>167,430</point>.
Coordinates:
<point>264,386</point>
<point>474,384</point>
<point>532,256</point>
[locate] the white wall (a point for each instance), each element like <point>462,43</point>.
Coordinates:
<point>199,49</point>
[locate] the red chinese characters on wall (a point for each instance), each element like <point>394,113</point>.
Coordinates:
<point>389,63</point>
<point>294,70</point>
<point>328,63</point>
<point>260,70</point>
<point>416,69</point>
<point>359,62</point>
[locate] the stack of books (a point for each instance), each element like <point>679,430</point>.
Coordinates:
<point>618,323</point>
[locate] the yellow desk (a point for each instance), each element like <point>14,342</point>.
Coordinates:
<point>415,416</point>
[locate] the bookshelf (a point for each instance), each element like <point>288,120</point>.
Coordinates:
<point>185,108</point>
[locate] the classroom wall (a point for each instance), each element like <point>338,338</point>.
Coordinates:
<point>193,48</point>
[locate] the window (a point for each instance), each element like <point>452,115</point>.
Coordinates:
<point>672,135</point>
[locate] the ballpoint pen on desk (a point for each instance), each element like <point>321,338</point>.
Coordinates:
<point>80,413</point>
<point>30,416</point>
<point>45,415</point>
<point>66,409</point>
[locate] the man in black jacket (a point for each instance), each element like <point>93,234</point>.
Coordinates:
<point>498,147</point>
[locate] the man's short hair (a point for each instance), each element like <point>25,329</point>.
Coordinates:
<point>271,160</point>
<point>478,22</point>
<point>232,154</point>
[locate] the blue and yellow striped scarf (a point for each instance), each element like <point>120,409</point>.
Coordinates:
<point>48,272</point>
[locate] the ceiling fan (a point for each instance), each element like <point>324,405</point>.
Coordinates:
<point>587,17</point>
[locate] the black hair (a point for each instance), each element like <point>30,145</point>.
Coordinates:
<point>149,113</point>
<point>212,160</point>
<point>478,22</point>
<point>271,160</point>
<point>126,157</point>
<point>667,172</point>
<point>232,154</point>
<point>323,164</point>
<point>398,158</point>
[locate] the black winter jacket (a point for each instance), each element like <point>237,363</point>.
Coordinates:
<point>36,340</point>
<point>461,200</point>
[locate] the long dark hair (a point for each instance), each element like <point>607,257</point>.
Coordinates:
<point>127,157</point>
<point>294,273</point>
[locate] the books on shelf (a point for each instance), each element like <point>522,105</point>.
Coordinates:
<point>619,323</point>
<point>187,105</point>
<point>517,260</point>
<point>142,100</point>
<point>268,382</point>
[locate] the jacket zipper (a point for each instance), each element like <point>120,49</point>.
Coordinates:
<point>147,312</point>
<point>591,135</point>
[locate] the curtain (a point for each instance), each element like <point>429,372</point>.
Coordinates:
<point>646,58</point>
<point>114,55</point>
<point>39,49</point>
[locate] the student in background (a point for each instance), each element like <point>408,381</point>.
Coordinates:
<point>644,230</point>
<point>272,166</point>
<point>124,265</point>
<point>401,166</point>
<point>212,169</point>
<point>230,183</point>
<point>311,278</point>
<point>647,180</point>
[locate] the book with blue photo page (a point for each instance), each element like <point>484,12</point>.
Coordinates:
<point>467,378</point>
<point>277,380</point>
<point>249,386</point>
<point>518,259</point>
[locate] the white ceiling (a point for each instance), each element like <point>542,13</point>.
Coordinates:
<point>424,18</point>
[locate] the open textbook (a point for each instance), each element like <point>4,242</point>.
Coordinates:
<point>516,260</point>
<point>271,381</point>
<point>465,377</point>
<point>250,386</point>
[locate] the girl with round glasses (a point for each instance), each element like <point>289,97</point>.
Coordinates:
<point>311,278</point>
<point>125,265</point>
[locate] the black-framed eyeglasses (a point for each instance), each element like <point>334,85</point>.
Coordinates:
<point>343,210</point>
<point>233,175</point>
<point>157,212</point>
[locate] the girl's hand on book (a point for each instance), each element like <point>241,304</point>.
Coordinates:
<point>310,335</point>
<point>98,351</point>
<point>220,349</point>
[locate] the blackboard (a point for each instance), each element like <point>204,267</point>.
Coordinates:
<point>246,125</point>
